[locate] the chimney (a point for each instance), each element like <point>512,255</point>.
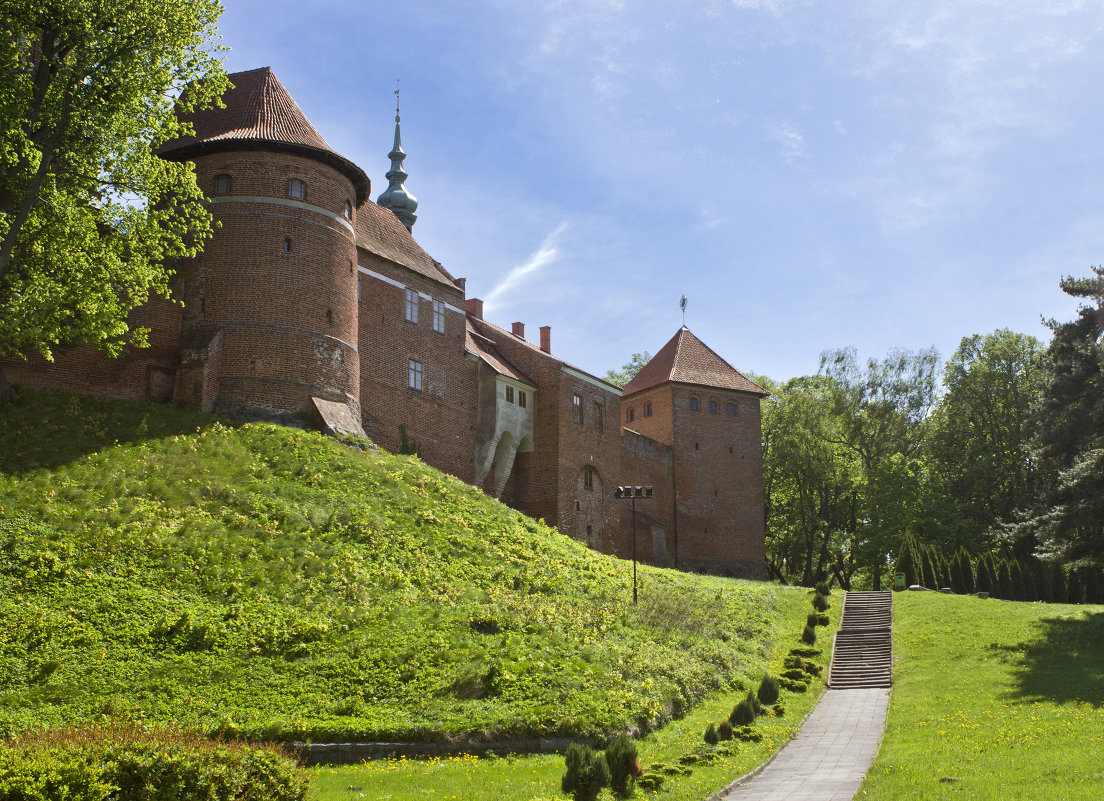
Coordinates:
<point>462,283</point>
<point>474,307</point>
<point>519,330</point>
<point>546,338</point>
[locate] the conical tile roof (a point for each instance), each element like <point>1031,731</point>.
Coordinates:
<point>685,359</point>
<point>258,113</point>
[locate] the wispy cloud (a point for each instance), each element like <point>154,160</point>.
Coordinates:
<point>546,254</point>
<point>791,142</point>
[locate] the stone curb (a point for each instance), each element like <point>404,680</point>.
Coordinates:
<point>352,753</point>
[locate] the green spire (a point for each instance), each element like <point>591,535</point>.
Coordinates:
<point>396,198</point>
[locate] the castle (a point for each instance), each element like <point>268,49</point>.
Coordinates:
<point>313,304</point>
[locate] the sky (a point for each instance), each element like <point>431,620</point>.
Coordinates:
<point>810,175</point>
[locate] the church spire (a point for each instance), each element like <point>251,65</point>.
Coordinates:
<point>401,203</point>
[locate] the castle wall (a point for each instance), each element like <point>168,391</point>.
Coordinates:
<point>647,462</point>
<point>441,415</point>
<point>278,281</point>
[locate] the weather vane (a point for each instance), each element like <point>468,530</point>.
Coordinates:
<point>682,305</point>
<point>396,97</point>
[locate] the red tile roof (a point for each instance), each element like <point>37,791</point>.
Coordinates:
<point>688,360</point>
<point>485,349</point>
<point>380,232</point>
<point>257,111</point>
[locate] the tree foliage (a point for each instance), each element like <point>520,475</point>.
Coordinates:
<point>91,220</point>
<point>628,370</point>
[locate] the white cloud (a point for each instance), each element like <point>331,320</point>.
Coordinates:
<point>791,141</point>
<point>546,254</point>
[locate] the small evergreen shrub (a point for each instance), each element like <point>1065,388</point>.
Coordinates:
<point>823,588</point>
<point>624,766</point>
<point>811,669</point>
<point>779,709</point>
<point>805,652</point>
<point>743,714</point>
<point>813,620</point>
<point>650,781</point>
<point>768,689</point>
<point>724,731</point>
<point>795,674</point>
<point>753,699</point>
<point>820,602</point>
<point>793,686</point>
<point>809,635</point>
<point>587,772</point>
<point>747,734</point>
<point>711,735</point>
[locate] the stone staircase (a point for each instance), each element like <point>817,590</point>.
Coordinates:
<point>862,655</point>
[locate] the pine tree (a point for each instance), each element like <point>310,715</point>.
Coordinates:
<point>1058,591</point>
<point>1004,582</point>
<point>966,570</point>
<point>1075,590</point>
<point>983,583</point>
<point>1094,588</point>
<point>907,561</point>
<point>930,579</point>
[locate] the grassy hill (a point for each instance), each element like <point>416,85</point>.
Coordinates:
<point>264,581</point>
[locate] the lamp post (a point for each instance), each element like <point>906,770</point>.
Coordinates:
<point>632,493</point>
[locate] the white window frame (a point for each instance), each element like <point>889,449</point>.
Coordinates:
<point>297,189</point>
<point>439,316</point>
<point>412,305</point>
<point>414,374</point>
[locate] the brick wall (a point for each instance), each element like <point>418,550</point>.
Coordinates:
<point>441,415</point>
<point>647,462</point>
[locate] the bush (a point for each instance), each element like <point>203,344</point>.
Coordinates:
<point>823,588</point>
<point>743,714</point>
<point>754,701</point>
<point>823,619</point>
<point>813,620</point>
<point>126,764</point>
<point>624,767</point>
<point>587,772</point>
<point>711,735</point>
<point>724,731</point>
<point>809,635</point>
<point>768,689</point>
<point>650,781</point>
<point>820,602</point>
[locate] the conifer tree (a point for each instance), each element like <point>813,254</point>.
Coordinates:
<point>907,561</point>
<point>1075,590</point>
<point>1058,590</point>
<point>966,570</point>
<point>1004,581</point>
<point>983,582</point>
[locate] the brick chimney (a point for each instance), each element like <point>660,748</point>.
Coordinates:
<point>474,307</point>
<point>519,330</point>
<point>546,338</point>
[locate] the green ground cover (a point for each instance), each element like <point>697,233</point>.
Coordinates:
<point>993,700</point>
<point>267,582</point>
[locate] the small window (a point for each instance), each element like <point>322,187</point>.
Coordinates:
<point>588,477</point>
<point>577,408</point>
<point>415,374</point>
<point>287,246</point>
<point>439,316</point>
<point>412,305</point>
<point>521,399</point>
<point>693,404</point>
<point>712,407</point>
<point>647,410</point>
<point>348,210</point>
<point>296,189</point>
<point>630,415</point>
<point>731,409</point>
<point>599,418</point>
<point>509,394</point>
<point>222,184</point>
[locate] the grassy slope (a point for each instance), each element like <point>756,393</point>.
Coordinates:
<point>265,581</point>
<point>1006,699</point>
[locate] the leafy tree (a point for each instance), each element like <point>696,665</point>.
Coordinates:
<point>628,370</point>
<point>90,218</point>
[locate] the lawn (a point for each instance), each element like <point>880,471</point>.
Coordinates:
<point>993,700</point>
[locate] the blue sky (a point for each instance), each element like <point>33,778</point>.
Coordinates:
<point>811,175</point>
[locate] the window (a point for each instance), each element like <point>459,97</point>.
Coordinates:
<point>693,404</point>
<point>630,415</point>
<point>647,410</point>
<point>712,407</point>
<point>287,245</point>
<point>415,374</point>
<point>731,409</point>
<point>439,316</point>
<point>509,394</point>
<point>296,189</point>
<point>599,420</point>
<point>222,184</point>
<point>521,399</point>
<point>577,408</point>
<point>588,477</point>
<point>412,305</point>
<point>348,210</point>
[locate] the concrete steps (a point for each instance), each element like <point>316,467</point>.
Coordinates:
<point>862,653</point>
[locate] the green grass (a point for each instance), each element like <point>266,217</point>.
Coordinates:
<point>267,582</point>
<point>1006,699</point>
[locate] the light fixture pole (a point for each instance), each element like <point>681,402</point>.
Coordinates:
<point>632,493</point>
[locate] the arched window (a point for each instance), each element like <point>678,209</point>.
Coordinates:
<point>348,210</point>
<point>731,409</point>
<point>588,477</point>
<point>296,189</point>
<point>287,245</point>
<point>693,404</point>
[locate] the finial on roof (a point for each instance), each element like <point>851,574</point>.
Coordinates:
<point>682,305</point>
<point>396,198</point>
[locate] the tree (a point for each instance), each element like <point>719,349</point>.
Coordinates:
<point>91,220</point>
<point>628,370</point>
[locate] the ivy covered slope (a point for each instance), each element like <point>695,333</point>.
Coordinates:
<point>264,581</point>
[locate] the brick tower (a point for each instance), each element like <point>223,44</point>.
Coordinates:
<point>269,324</point>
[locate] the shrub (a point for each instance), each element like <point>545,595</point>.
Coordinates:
<point>813,620</point>
<point>809,635</point>
<point>823,619</point>
<point>820,602</point>
<point>823,588</point>
<point>650,781</point>
<point>768,689</point>
<point>743,714</point>
<point>779,709</point>
<point>587,772</point>
<point>724,731</point>
<point>711,735</point>
<point>624,766</point>
<point>753,699</point>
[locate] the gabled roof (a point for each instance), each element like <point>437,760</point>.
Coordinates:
<point>485,349</point>
<point>259,112</point>
<point>685,359</point>
<point>380,232</point>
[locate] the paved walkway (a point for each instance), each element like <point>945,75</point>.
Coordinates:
<point>828,758</point>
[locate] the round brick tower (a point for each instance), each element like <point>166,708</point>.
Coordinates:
<point>270,307</point>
